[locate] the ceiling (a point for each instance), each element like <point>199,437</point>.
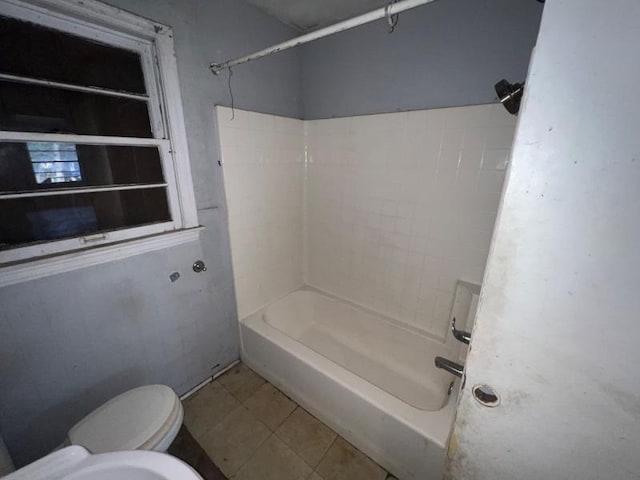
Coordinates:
<point>305,15</point>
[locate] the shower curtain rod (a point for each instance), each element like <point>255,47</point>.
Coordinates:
<point>382,12</point>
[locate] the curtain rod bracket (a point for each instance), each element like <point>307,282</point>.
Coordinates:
<point>215,68</point>
<point>392,20</point>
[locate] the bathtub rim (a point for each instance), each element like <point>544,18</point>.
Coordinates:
<point>311,297</point>
<point>434,425</point>
<point>411,328</point>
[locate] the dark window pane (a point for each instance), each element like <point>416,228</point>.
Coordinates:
<point>31,108</point>
<point>31,50</point>
<point>38,219</point>
<point>117,165</point>
<point>49,165</point>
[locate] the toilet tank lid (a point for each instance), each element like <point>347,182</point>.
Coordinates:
<point>136,419</point>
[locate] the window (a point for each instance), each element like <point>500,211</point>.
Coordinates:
<point>92,142</point>
<point>54,162</point>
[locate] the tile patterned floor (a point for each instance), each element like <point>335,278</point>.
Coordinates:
<point>186,448</point>
<point>252,431</point>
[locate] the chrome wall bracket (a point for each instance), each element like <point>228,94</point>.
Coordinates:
<point>460,335</point>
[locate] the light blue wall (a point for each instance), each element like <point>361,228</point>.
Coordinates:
<point>448,53</point>
<point>70,342</point>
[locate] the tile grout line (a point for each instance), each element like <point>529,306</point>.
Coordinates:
<point>271,432</point>
<point>256,391</point>
<point>325,453</point>
<point>286,418</point>
<point>253,454</point>
<point>241,404</point>
<point>235,397</point>
<point>313,469</point>
<point>274,432</point>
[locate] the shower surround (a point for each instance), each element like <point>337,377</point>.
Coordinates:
<point>263,158</point>
<point>386,211</point>
<point>349,237</point>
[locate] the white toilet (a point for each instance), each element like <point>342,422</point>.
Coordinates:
<point>145,418</point>
<point>76,463</point>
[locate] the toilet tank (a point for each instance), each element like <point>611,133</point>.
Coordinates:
<point>6,465</point>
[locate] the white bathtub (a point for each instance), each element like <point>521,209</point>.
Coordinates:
<point>371,380</point>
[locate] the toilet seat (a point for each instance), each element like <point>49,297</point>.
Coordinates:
<point>145,418</point>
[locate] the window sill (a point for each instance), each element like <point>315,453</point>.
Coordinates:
<point>43,267</point>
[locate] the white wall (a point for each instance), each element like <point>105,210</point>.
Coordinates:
<point>263,159</point>
<point>557,330</point>
<point>401,205</point>
<point>396,207</point>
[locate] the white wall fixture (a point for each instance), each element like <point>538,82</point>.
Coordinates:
<point>371,381</point>
<point>401,205</point>
<point>557,329</point>
<point>388,212</point>
<point>76,462</point>
<point>263,158</point>
<point>397,207</point>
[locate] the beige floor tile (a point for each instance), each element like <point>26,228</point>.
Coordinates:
<point>207,408</point>
<point>344,462</point>
<point>306,436</point>
<point>274,461</point>
<point>234,440</point>
<point>315,476</point>
<point>241,382</point>
<point>270,406</point>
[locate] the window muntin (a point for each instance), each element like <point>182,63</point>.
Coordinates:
<point>36,108</point>
<point>45,218</point>
<point>164,193</point>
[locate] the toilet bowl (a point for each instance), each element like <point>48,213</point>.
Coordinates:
<point>76,463</point>
<point>145,418</point>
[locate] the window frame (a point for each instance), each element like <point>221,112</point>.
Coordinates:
<point>154,42</point>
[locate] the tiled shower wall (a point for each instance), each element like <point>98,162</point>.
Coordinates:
<point>401,205</point>
<point>396,207</point>
<point>263,158</point>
